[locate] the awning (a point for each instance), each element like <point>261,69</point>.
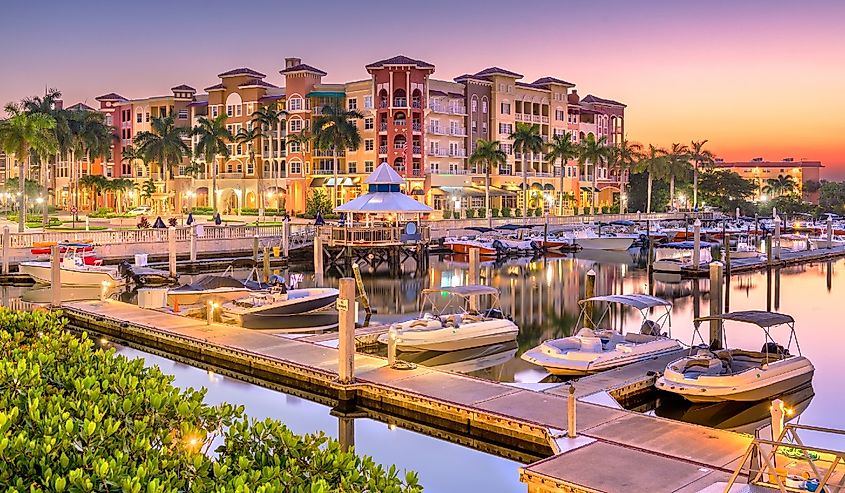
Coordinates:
<point>317,182</point>
<point>589,189</point>
<point>498,192</point>
<point>536,186</point>
<point>325,94</point>
<point>514,188</point>
<point>760,318</point>
<point>342,182</point>
<point>638,301</point>
<point>417,191</point>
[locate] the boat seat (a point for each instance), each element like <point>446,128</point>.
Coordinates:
<point>615,339</point>
<point>635,338</point>
<point>702,366</point>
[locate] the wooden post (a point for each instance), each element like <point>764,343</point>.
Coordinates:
<point>7,248</point>
<point>365,300</point>
<point>346,433</point>
<point>285,238</point>
<point>696,244</point>
<point>56,275</point>
<point>589,292</point>
<point>346,330</point>
<point>171,250</point>
<point>571,422</point>
<point>318,259</point>
<point>255,249</point>
<point>716,277</point>
<point>769,249</point>
<point>193,242</point>
<point>777,238</point>
<point>778,412</point>
<point>209,312</point>
<point>474,261</point>
<point>266,264</point>
<point>829,232</point>
<point>757,230</point>
<point>727,289</point>
<point>391,346</point>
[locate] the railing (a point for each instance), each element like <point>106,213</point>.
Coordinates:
<point>438,152</point>
<point>416,172</point>
<point>417,150</point>
<point>437,108</point>
<point>416,104</point>
<point>536,118</point>
<point>369,236</point>
<point>458,110</point>
<point>400,102</point>
<point>382,149</point>
<point>458,131</point>
<point>400,123</point>
<point>382,127</point>
<point>765,461</point>
<point>417,127</point>
<point>544,119</point>
<point>457,152</point>
<point>436,130</point>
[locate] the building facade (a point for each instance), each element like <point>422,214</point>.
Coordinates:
<point>760,171</point>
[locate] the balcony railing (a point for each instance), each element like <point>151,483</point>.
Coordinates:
<point>457,152</point>
<point>400,102</point>
<point>417,150</point>
<point>544,119</point>
<point>400,123</point>
<point>438,152</point>
<point>398,146</point>
<point>458,110</point>
<point>382,149</point>
<point>383,127</point>
<point>436,130</point>
<point>383,103</point>
<point>437,108</point>
<point>323,153</point>
<point>416,172</point>
<point>460,131</point>
<point>372,235</point>
<point>416,103</point>
<point>416,127</point>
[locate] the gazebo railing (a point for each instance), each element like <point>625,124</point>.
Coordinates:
<point>371,235</point>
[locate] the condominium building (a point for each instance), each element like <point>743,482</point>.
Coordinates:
<point>426,128</point>
<point>760,171</point>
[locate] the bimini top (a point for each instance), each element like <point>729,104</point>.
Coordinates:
<point>760,318</point>
<point>480,229</point>
<point>513,227</point>
<point>638,301</point>
<point>687,245</point>
<point>470,290</point>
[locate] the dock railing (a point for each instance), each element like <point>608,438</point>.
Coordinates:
<point>371,235</point>
<point>766,462</point>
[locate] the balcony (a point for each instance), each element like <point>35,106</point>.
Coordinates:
<point>438,108</point>
<point>276,154</point>
<point>438,152</point>
<point>382,149</point>
<point>416,104</point>
<point>399,146</point>
<point>400,123</point>
<point>537,118</point>
<point>382,127</point>
<point>458,131</point>
<point>400,102</point>
<point>436,130</point>
<point>544,119</point>
<point>416,172</point>
<point>505,171</point>
<point>458,110</point>
<point>457,152</point>
<point>417,150</point>
<point>416,127</point>
<point>322,153</point>
<point>382,103</point>
<point>518,117</point>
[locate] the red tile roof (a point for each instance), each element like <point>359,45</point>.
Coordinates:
<point>111,97</point>
<point>498,71</point>
<point>257,82</point>
<point>589,98</point>
<point>400,60</point>
<point>242,71</point>
<point>183,87</point>
<point>215,87</point>
<point>81,107</point>
<point>462,78</point>
<point>302,68</point>
<point>551,80</point>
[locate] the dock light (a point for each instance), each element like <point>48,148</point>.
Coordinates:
<point>103,341</point>
<point>104,289</point>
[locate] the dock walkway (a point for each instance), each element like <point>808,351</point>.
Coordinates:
<point>615,450</point>
<point>787,258</point>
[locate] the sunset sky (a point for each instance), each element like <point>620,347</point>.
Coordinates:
<point>755,77</point>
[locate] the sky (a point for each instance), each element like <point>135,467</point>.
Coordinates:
<point>754,77</point>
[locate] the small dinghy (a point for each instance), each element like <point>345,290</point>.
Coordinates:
<point>442,331</point>
<point>593,350</point>
<point>713,374</point>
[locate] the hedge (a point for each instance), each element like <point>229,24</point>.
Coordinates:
<point>75,418</point>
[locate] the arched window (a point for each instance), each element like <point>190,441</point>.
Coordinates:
<point>400,98</point>
<point>399,119</point>
<point>400,142</point>
<point>234,105</point>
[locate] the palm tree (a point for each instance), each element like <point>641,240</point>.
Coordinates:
<point>782,185</point>
<point>335,130</point>
<point>700,157</point>
<point>623,157</point>
<point>564,148</point>
<point>94,184</point>
<point>120,186</point>
<point>677,166</point>
<point>213,138</point>
<point>247,137</point>
<point>24,135</point>
<point>487,153</point>
<point>148,188</point>
<point>267,119</point>
<point>656,164</point>
<point>165,145</point>
<point>526,140</point>
<point>49,105</point>
<point>89,136</point>
<point>596,152</point>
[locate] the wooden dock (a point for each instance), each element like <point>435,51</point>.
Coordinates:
<point>787,258</point>
<point>615,450</point>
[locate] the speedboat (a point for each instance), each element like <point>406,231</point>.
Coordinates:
<point>594,349</point>
<point>218,288</point>
<point>744,249</point>
<point>675,256</point>
<point>710,374</point>
<point>269,309</point>
<point>466,360</point>
<point>822,241</point>
<point>439,330</point>
<point>74,271</point>
<point>463,244</point>
<point>590,240</point>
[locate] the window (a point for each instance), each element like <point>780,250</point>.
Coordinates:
<point>294,147</point>
<point>559,115</point>
<point>296,125</point>
<point>230,110</point>
<point>308,167</point>
<point>250,108</point>
<point>295,104</point>
<point>183,114</point>
<point>147,116</point>
<point>108,120</point>
<point>352,103</point>
<point>368,166</point>
<point>484,106</point>
<point>474,125</point>
<point>368,102</point>
<point>474,105</point>
<point>506,109</point>
<point>215,111</point>
<point>139,117</point>
<point>368,145</point>
<point>351,167</point>
<point>368,124</point>
<point>295,167</point>
<point>506,148</point>
<point>505,128</point>
<point>484,127</point>
<point>250,168</point>
<point>238,109</point>
<point>434,168</point>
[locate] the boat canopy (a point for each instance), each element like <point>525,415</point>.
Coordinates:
<point>638,301</point>
<point>480,229</point>
<point>760,318</point>
<point>513,227</point>
<point>687,245</point>
<point>469,290</point>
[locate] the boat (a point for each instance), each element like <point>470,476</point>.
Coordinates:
<point>743,249</point>
<point>712,375</point>
<point>439,330</point>
<point>74,270</point>
<point>594,349</point>
<point>677,255</point>
<point>147,276</point>
<point>45,247</point>
<point>590,240</point>
<point>274,308</point>
<point>822,241</point>
<point>219,288</point>
<point>464,244</point>
<point>465,360</point>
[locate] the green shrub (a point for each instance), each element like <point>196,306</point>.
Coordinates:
<point>506,212</point>
<point>470,213</point>
<point>102,212</point>
<point>447,214</point>
<point>75,417</point>
<point>538,211</point>
<point>482,213</point>
<point>517,212</point>
<point>494,212</point>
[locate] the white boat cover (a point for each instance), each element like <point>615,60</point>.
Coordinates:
<point>638,301</point>
<point>759,318</point>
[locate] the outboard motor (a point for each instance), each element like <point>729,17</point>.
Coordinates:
<point>774,348</point>
<point>535,245</point>
<point>501,249</point>
<point>650,328</point>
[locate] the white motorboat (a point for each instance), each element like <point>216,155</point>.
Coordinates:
<point>463,244</point>
<point>442,331</point>
<point>712,375</point>
<point>593,350</point>
<point>590,240</point>
<point>220,288</point>
<point>73,272</point>
<point>743,249</point>
<point>675,256</point>
<point>279,308</point>
<point>822,241</point>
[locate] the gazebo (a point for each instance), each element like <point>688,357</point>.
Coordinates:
<point>384,196</point>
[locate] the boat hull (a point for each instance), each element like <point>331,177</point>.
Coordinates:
<point>471,335</point>
<point>605,243</point>
<point>313,300</point>
<point>465,247</point>
<point>585,363</point>
<point>194,297</point>
<point>81,276</point>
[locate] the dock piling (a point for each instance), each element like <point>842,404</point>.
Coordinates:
<point>286,238</point>
<point>346,330</point>
<point>829,232</point>
<point>716,279</point>
<point>193,242</point>
<point>727,297</point>
<point>255,249</point>
<point>474,261</point>
<point>777,238</point>
<point>391,346</point>
<point>171,250</point>
<point>7,244</point>
<point>266,264</point>
<point>55,276</point>
<point>696,243</point>
<point>571,422</point>
<point>589,292</point>
<point>769,251</point>
<point>318,259</point>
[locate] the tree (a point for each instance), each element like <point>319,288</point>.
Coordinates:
<point>562,148</point>
<point>700,157</point>
<point>247,137</point>
<point>677,166</point>
<point>22,135</point>
<point>88,136</point>
<point>213,139</point>
<point>131,154</point>
<point>656,164</point>
<point>487,153</point>
<point>335,130</point>
<point>624,157</point>
<point>148,188</point>
<point>782,185</point>
<point>596,152</point>
<point>164,145</point>
<point>266,119</point>
<point>49,105</point>
<point>832,197</point>
<point>526,140</point>
<point>94,184</point>
<point>120,186</point>
<point>317,201</point>
<point>725,189</point>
